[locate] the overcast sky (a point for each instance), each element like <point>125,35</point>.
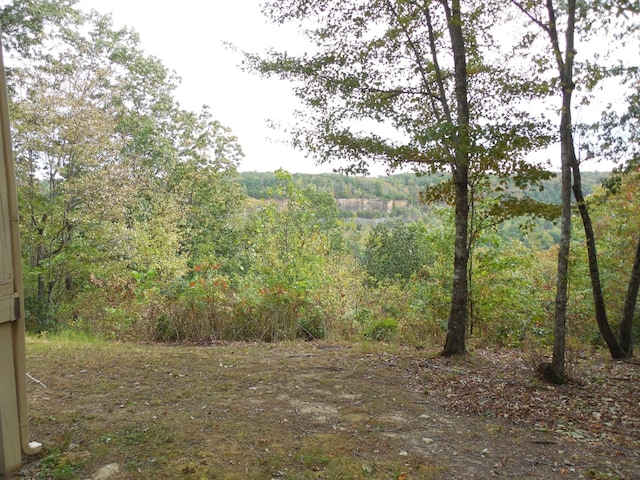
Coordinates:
<point>188,37</point>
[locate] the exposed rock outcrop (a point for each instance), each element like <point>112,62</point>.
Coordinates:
<point>370,205</point>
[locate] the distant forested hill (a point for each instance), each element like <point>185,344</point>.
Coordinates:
<point>369,200</point>
<point>405,186</point>
<point>394,187</point>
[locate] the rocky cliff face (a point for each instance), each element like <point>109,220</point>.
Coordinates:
<point>370,205</point>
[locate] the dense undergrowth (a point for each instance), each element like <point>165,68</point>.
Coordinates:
<point>297,271</point>
<point>301,283</point>
<point>512,307</point>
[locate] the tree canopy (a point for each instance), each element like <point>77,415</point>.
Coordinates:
<point>112,173</point>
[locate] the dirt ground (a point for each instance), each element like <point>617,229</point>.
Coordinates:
<point>324,411</point>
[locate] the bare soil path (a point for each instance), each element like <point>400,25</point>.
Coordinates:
<point>323,411</point>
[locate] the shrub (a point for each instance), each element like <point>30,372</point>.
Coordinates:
<point>383,330</point>
<point>311,324</point>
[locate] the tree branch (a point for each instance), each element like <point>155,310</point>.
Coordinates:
<point>524,10</point>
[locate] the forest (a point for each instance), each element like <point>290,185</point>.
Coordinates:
<point>137,225</point>
<point>367,201</point>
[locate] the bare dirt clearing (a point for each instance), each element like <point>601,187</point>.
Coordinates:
<point>323,411</point>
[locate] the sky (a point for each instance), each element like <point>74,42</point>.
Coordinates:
<point>188,36</point>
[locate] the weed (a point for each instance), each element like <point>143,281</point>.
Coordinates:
<point>596,474</point>
<point>61,465</point>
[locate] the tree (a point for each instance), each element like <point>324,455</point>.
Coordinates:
<point>619,194</point>
<point>396,252</point>
<point>490,206</point>
<point>24,23</point>
<point>62,128</point>
<point>586,19</point>
<point>202,179</point>
<point>288,243</point>
<point>544,16</point>
<point>407,84</point>
<point>616,213</point>
<point>116,181</point>
<point>622,348</point>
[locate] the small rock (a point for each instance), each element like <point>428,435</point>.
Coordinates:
<point>106,472</point>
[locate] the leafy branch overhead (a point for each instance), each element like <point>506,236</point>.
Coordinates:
<point>379,87</point>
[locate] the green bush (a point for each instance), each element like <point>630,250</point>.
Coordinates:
<point>311,324</point>
<point>383,330</point>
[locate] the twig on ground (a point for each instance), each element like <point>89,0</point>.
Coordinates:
<point>36,380</point>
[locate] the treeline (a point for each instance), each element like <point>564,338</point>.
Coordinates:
<point>406,186</point>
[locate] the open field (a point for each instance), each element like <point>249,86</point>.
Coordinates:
<point>323,411</point>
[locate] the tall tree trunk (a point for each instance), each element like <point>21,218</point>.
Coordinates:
<point>594,272</point>
<point>565,69</point>
<point>41,289</point>
<point>626,322</point>
<point>456,330</point>
<point>470,293</point>
<point>560,315</point>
